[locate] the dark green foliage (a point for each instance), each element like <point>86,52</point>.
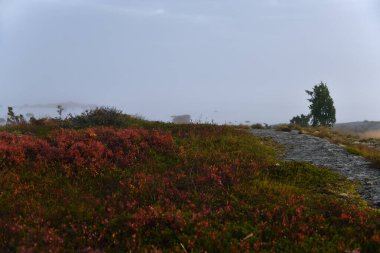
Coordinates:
<point>101,116</point>
<point>322,110</point>
<point>301,120</point>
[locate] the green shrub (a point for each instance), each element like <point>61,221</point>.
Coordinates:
<point>301,120</point>
<point>100,116</point>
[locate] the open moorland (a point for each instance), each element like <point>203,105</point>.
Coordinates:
<point>107,182</point>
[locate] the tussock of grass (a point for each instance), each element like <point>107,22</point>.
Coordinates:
<point>216,189</point>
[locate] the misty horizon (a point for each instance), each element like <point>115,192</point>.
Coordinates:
<point>73,108</point>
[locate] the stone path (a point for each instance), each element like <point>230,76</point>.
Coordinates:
<point>301,147</point>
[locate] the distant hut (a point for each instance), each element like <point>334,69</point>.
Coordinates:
<point>181,119</point>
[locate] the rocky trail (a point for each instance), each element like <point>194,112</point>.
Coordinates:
<point>301,147</point>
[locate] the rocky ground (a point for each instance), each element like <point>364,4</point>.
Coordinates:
<point>301,147</point>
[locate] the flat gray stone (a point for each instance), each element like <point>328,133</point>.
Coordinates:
<point>302,147</point>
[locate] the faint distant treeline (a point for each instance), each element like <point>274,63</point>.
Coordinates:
<point>66,105</point>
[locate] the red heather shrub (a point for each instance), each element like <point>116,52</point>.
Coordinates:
<point>125,138</point>
<point>160,141</point>
<point>95,148</point>
<point>37,151</point>
<point>89,154</point>
<point>92,148</point>
<point>124,144</point>
<point>16,151</point>
<point>218,175</point>
<point>8,138</point>
<point>11,156</point>
<point>130,145</point>
<point>157,217</point>
<point>65,138</point>
<point>79,149</point>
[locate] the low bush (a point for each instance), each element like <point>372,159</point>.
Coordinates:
<point>101,116</point>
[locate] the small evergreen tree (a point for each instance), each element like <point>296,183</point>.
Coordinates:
<point>322,110</point>
<point>11,119</point>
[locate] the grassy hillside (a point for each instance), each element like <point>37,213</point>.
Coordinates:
<point>78,186</point>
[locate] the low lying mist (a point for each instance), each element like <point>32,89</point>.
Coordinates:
<point>45,110</point>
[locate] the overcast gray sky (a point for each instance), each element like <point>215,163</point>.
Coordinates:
<point>227,60</point>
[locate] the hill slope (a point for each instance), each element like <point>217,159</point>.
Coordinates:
<point>148,186</point>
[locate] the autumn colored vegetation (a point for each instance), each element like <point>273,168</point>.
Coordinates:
<point>153,187</point>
